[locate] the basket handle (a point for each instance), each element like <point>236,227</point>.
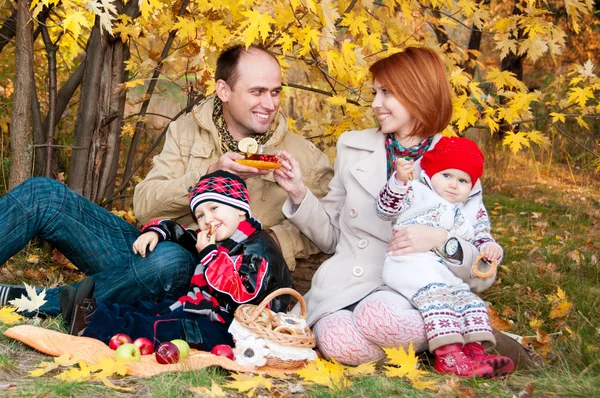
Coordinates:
<point>483,275</point>
<point>255,313</point>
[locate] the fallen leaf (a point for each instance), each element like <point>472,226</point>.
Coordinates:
<point>74,374</point>
<point>8,316</point>
<point>496,321</point>
<point>454,388</point>
<point>108,367</point>
<point>109,384</point>
<point>405,361</point>
<point>560,304</point>
<point>331,374</point>
<point>214,392</point>
<point>528,391</point>
<point>32,302</point>
<point>362,369</point>
<point>246,383</point>
<point>33,259</point>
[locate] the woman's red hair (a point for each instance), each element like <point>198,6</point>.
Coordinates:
<point>418,79</point>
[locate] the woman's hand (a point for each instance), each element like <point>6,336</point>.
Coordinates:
<point>146,241</point>
<point>416,239</point>
<point>205,238</point>
<point>289,177</point>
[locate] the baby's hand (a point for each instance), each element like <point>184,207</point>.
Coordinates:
<point>492,252</point>
<point>147,240</point>
<point>205,238</point>
<point>404,170</point>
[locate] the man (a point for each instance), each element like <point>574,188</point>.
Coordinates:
<point>248,84</point>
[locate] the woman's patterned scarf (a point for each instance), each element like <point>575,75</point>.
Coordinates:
<point>394,150</point>
<point>228,144</point>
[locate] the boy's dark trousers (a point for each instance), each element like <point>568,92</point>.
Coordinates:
<point>141,320</point>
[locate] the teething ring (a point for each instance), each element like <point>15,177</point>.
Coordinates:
<point>480,274</point>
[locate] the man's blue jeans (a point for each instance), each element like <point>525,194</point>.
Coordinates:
<point>98,242</point>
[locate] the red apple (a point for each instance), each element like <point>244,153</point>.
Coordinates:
<point>145,345</point>
<point>183,347</point>
<point>167,353</point>
<point>128,353</point>
<point>223,350</point>
<point>118,340</point>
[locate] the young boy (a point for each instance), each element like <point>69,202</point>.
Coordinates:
<point>238,263</point>
<point>456,320</point>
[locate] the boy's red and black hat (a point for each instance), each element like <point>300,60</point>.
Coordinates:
<point>454,153</point>
<point>222,187</point>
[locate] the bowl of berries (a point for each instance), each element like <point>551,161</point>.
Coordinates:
<point>257,155</point>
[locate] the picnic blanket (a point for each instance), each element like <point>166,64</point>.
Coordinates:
<point>89,350</point>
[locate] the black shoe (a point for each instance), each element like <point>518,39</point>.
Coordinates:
<point>9,292</point>
<point>84,307</point>
<point>67,302</point>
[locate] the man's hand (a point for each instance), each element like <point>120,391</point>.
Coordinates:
<point>227,162</point>
<point>492,251</point>
<point>289,177</point>
<point>404,170</point>
<point>416,239</point>
<point>205,238</point>
<point>146,241</point>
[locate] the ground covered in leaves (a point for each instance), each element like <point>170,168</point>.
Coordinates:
<point>547,294</point>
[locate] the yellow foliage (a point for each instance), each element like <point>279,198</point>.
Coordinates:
<point>560,304</point>
<point>214,392</point>
<point>248,383</point>
<point>330,374</point>
<point>406,362</point>
<point>8,316</point>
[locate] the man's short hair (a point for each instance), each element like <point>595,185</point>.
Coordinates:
<point>229,59</point>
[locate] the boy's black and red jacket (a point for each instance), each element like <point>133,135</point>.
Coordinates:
<point>242,269</point>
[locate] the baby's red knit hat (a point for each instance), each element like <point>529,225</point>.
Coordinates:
<point>454,153</point>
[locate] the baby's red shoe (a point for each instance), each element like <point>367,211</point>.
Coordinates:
<point>451,359</point>
<point>501,366</point>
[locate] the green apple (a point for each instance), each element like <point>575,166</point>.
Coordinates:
<point>183,346</point>
<point>128,353</point>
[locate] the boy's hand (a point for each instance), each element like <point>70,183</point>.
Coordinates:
<point>146,241</point>
<point>205,238</point>
<point>404,170</point>
<point>492,252</point>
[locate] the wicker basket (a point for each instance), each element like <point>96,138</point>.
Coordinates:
<point>262,322</point>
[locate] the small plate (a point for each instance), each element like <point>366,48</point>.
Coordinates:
<point>259,164</point>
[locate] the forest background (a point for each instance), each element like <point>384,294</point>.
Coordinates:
<point>87,88</point>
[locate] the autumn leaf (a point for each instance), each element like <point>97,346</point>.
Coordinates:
<point>336,100</point>
<point>406,362</point>
<point>580,95</point>
<point>560,304</point>
<point>331,374</point>
<point>258,24</point>
<point>496,321</point>
<point>74,374</point>
<point>424,385</point>
<point>215,391</point>
<point>108,367</point>
<point>45,367</point>
<point>556,117</point>
<point>363,369</point>
<point>109,384</point>
<point>32,302</point>
<point>8,316</point>
<point>515,141</point>
<point>248,384</point>
<point>74,23</point>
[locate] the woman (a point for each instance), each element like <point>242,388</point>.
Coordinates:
<point>352,313</point>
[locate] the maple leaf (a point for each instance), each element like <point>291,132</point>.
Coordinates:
<point>464,116</point>
<point>557,117</point>
<point>336,100</point>
<point>459,79</point>
<point>366,368</point>
<point>249,384</point>
<point>372,42</point>
<point>74,23</point>
<point>587,70</point>
<point>147,6</point>
<point>580,95</point>
<point>108,367</point>
<point>75,375</point>
<point>538,138</point>
<point>330,374</point>
<point>405,361</point>
<point>185,27</point>
<point>286,43</point>
<point>424,385</point>
<point>8,316</point>
<point>496,321</point>
<point>33,259</point>
<point>515,141</point>
<point>32,302</point>
<point>217,33</point>
<point>136,82</point>
<point>110,384</point>
<point>45,367</point>
<point>215,391</point>
<point>560,304</point>
<point>257,24</point>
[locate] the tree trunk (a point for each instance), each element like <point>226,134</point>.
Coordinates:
<point>20,134</point>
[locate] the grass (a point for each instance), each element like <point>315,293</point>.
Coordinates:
<point>546,218</point>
